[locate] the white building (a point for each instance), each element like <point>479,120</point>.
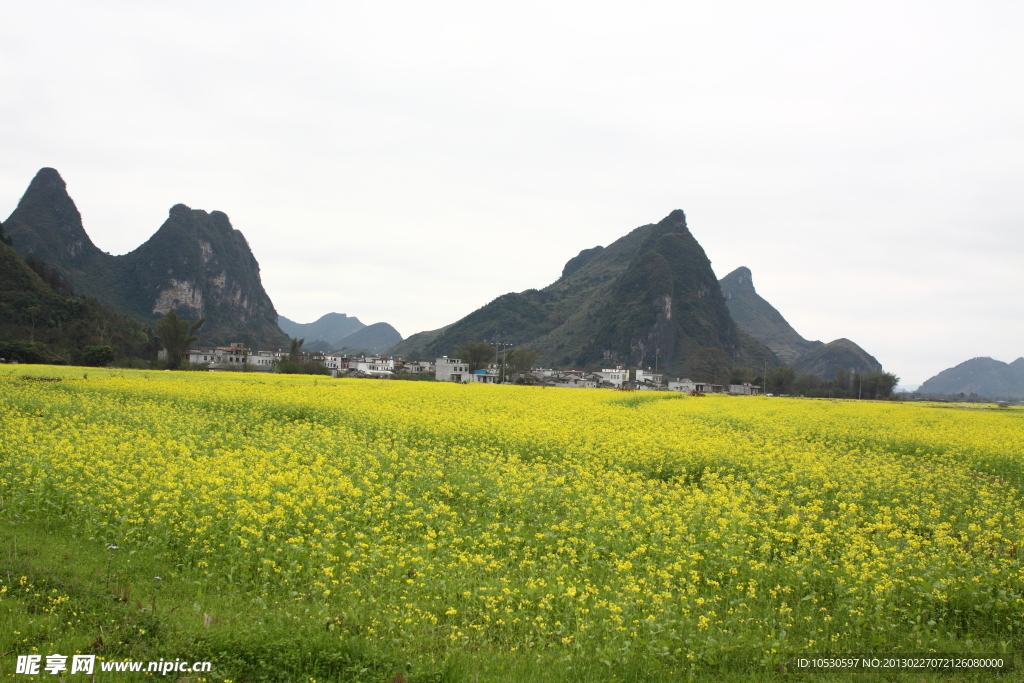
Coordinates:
<point>584,382</point>
<point>232,357</point>
<point>745,389</point>
<point>417,366</point>
<point>648,377</point>
<point>193,355</point>
<point>614,376</point>
<point>450,369</point>
<point>336,364</point>
<point>688,385</point>
<point>262,361</point>
<point>375,367</point>
<point>489,376</point>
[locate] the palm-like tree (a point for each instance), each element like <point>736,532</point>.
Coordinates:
<point>177,335</point>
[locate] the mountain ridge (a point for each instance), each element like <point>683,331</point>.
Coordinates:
<point>195,262</point>
<point>329,328</point>
<point>760,319</point>
<point>826,359</point>
<point>649,298</point>
<point>982,376</point>
<point>371,339</point>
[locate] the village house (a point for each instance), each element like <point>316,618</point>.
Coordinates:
<point>450,369</point>
<point>261,361</point>
<point>488,376</point>
<point>573,379</point>
<point>417,366</point>
<point>374,367</point>
<point>614,376</point>
<point>648,379</point>
<point>193,355</point>
<point>235,356</point>
<point>688,385</point>
<point>333,363</point>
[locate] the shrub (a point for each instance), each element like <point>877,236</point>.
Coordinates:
<point>97,356</point>
<point>291,367</point>
<point>29,352</point>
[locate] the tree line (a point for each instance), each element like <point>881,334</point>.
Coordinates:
<point>479,356</point>
<point>716,366</point>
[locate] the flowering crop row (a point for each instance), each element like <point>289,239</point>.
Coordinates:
<point>591,524</point>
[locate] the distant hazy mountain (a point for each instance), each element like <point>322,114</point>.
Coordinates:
<point>372,338</point>
<point>196,263</point>
<point>650,295</point>
<point>982,376</point>
<point>824,360</point>
<point>338,332</point>
<point>763,322</point>
<point>330,328</point>
<point>416,346</point>
<point>759,319</point>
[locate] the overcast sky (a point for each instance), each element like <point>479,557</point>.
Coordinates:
<point>409,162</point>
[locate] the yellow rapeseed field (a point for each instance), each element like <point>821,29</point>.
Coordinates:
<point>535,522</point>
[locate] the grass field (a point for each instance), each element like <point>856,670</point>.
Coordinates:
<point>311,529</point>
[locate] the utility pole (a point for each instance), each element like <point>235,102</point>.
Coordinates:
<point>502,346</point>
<point>504,355</point>
<point>860,388</point>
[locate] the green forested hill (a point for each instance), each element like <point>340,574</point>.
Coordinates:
<point>196,262</point>
<point>41,319</point>
<point>650,294</point>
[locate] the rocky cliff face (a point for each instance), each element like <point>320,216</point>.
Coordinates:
<point>196,263</point>
<point>669,304</point>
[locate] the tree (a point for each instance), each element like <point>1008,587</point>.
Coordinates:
<point>805,384</point>
<point>780,380</point>
<point>97,356</point>
<point>476,354</point>
<point>176,335</point>
<point>521,359</point>
<point>711,364</point>
<point>879,385</point>
<point>34,313</point>
<point>295,353</point>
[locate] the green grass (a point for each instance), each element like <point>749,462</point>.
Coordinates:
<point>64,593</point>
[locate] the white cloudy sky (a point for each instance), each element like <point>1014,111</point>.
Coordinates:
<point>408,162</point>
